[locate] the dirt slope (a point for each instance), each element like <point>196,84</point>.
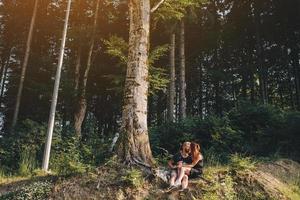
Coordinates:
<point>269,180</point>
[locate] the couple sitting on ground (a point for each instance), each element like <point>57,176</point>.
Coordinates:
<point>186,164</point>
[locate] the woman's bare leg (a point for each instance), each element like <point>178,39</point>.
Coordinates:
<point>173,177</point>
<point>181,175</point>
<point>185,182</point>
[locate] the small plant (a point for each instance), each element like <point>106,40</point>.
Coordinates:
<point>238,162</point>
<point>39,172</point>
<point>27,163</point>
<point>66,158</point>
<point>133,177</point>
<point>228,187</point>
<point>34,191</point>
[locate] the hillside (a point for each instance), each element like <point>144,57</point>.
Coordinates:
<point>265,180</point>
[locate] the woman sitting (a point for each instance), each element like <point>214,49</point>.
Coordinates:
<point>177,162</point>
<point>192,168</point>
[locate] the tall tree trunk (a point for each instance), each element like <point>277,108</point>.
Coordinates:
<point>200,92</point>
<point>262,71</point>
<point>4,63</point>
<point>252,86</point>
<point>244,84</point>
<point>171,89</point>
<point>55,91</point>
<point>296,66</point>
<point>160,109</point>
<point>81,103</point>
<point>182,82</point>
<point>134,146</point>
<point>218,98</point>
<point>77,70</point>
<point>4,80</point>
<point>24,66</point>
<point>290,82</point>
<point>4,69</point>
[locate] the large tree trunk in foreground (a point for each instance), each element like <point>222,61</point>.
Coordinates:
<point>182,82</point>
<point>134,146</point>
<point>81,103</point>
<point>24,66</point>
<point>171,89</point>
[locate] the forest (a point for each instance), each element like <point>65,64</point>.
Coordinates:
<point>93,90</point>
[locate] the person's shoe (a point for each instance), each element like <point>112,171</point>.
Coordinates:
<point>172,187</point>
<point>184,190</point>
<point>177,184</point>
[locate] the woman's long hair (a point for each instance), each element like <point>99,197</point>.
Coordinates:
<point>195,150</point>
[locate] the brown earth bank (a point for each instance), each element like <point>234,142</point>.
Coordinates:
<point>267,180</point>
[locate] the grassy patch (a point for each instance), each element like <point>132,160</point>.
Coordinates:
<point>291,191</point>
<point>133,177</point>
<point>238,162</point>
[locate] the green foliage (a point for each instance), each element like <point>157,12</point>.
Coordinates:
<point>22,151</point>
<point>222,184</point>
<point>249,129</point>
<point>174,9</point>
<point>228,187</point>
<point>34,191</point>
<point>66,157</point>
<point>239,162</point>
<point>117,48</point>
<point>133,177</point>
<point>27,163</point>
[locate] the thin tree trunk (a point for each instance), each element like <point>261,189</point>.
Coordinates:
<point>82,104</point>
<point>4,74</point>
<point>55,91</point>
<point>244,84</point>
<point>134,146</point>
<point>24,66</point>
<point>252,86</point>
<point>200,92</point>
<point>261,68</point>
<point>289,77</point>
<point>182,82</point>
<point>4,80</point>
<point>171,89</point>
<point>295,59</point>
<point>77,70</point>
<point>218,99</point>
<point>4,64</point>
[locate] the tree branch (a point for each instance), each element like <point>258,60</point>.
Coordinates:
<point>157,6</point>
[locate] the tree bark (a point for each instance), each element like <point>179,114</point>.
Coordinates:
<point>51,121</point>
<point>252,86</point>
<point>171,89</point>
<point>134,146</point>
<point>4,69</point>
<point>77,70</point>
<point>296,66</point>
<point>4,62</point>
<point>261,68</point>
<point>200,92</point>
<point>4,80</point>
<point>24,66</point>
<point>182,82</point>
<point>80,111</point>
